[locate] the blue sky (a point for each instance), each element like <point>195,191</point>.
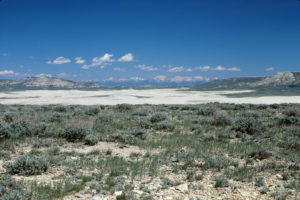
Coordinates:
<point>161,40</point>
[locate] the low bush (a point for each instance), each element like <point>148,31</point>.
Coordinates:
<point>75,133</point>
<point>91,139</point>
<point>60,108</point>
<point>123,107</point>
<point>287,120</point>
<point>8,117</point>
<point>221,181</point>
<point>39,129</point>
<point>249,125</point>
<point>27,165</point>
<point>19,128</point>
<point>221,119</point>
<point>164,125</point>
<point>206,110</point>
<point>11,190</point>
<point>158,117</point>
<point>92,111</point>
<point>140,134</point>
<point>103,120</point>
<point>4,133</point>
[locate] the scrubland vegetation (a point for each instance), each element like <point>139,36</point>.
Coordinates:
<point>150,151</point>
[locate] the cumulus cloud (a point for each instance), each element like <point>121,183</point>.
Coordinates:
<point>7,72</point>
<point>126,58</point>
<point>270,69</point>
<point>221,68</point>
<point>62,75</point>
<point>147,68</point>
<point>118,69</point>
<point>123,79</point>
<point>179,79</point>
<point>106,59</point>
<point>4,54</point>
<point>218,68</point>
<point>42,75</point>
<point>198,78</point>
<point>160,78</point>
<point>176,69</point>
<point>79,60</point>
<point>59,60</point>
<point>204,68</point>
<point>135,78</point>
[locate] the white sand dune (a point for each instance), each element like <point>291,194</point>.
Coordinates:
<point>131,96</point>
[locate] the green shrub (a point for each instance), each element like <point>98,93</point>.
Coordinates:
<point>164,125</point>
<point>75,133</point>
<point>60,108</point>
<point>103,120</point>
<point>19,128</point>
<point>206,110</point>
<point>289,112</point>
<point>4,132</point>
<point>249,125</point>
<point>140,134</point>
<point>259,181</point>
<point>39,129</point>
<point>91,139</point>
<point>123,107</point>
<point>8,117</point>
<point>11,190</point>
<point>158,117</point>
<point>27,165</point>
<point>221,119</point>
<point>92,111</point>
<point>143,124</point>
<point>221,181</point>
<point>287,120</point>
<point>54,117</point>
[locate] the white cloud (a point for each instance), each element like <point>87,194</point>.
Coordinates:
<point>147,68</point>
<point>4,54</point>
<point>270,69</point>
<point>7,72</point>
<point>118,69</point>
<point>79,60</point>
<point>160,78</point>
<point>123,79</point>
<point>135,78</point>
<point>59,60</point>
<point>218,68</point>
<point>126,58</point>
<point>181,79</point>
<point>198,78</point>
<point>233,69</point>
<point>204,68</point>
<point>85,67</point>
<point>109,79</point>
<point>176,69</point>
<point>189,70</point>
<point>42,75</point>
<point>100,61</point>
<point>62,75</point>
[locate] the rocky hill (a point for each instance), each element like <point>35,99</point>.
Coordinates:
<point>44,83</point>
<point>278,81</point>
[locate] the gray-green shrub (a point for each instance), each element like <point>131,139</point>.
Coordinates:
<point>27,165</point>
<point>75,133</point>
<point>249,125</point>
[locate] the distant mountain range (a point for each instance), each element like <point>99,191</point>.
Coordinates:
<point>44,83</point>
<point>282,81</point>
<point>279,80</point>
